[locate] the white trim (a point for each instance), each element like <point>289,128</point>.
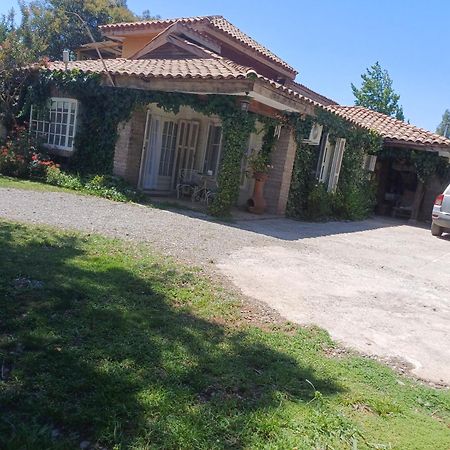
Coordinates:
<point>53,129</point>
<point>336,164</point>
<point>213,124</point>
<point>148,117</point>
<point>323,168</point>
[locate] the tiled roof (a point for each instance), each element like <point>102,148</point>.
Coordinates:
<point>205,68</point>
<point>215,67</point>
<point>389,128</point>
<point>307,92</point>
<point>219,68</point>
<point>217,22</point>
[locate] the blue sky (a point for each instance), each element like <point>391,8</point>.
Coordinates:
<point>331,42</point>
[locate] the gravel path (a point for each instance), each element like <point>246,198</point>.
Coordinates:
<point>378,286</point>
<point>187,235</point>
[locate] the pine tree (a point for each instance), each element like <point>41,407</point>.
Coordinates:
<point>444,127</point>
<point>376,93</point>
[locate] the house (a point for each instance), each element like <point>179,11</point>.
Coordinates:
<point>204,57</point>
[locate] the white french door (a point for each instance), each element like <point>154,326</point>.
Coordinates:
<point>186,144</point>
<point>169,146</point>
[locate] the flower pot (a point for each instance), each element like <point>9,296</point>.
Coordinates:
<point>257,203</point>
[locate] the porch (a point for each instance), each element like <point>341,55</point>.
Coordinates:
<point>176,158</point>
<point>400,193</point>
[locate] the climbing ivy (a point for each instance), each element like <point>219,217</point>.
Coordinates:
<point>425,163</point>
<point>103,108</point>
<point>236,131</point>
<point>355,194</point>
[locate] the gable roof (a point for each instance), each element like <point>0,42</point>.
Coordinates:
<point>176,34</point>
<point>392,130</point>
<point>217,23</point>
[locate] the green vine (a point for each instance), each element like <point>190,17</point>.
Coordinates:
<point>355,194</point>
<point>426,164</point>
<point>236,131</point>
<point>103,108</point>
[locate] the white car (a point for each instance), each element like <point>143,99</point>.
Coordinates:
<point>441,214</point>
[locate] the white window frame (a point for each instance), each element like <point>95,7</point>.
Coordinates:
<point>213,124</point>
<point>369,162</point>
<point>40,127</point>
<point>336,165</point>
<point>325,162</point>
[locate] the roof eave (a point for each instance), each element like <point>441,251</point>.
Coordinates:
<point>388,142</point>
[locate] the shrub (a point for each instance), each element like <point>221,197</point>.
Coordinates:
<point>113,188</point>
<point>319,203</point>
<point>39,165</point>
<point>12,164</point>
<point>357,201</point>
<point>21,157</point>
<point>16,153</point>
<point>57,177</point>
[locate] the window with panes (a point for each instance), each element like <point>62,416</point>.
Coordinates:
<point>56,125</point>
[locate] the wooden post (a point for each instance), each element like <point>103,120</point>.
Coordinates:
<point>418,196</point>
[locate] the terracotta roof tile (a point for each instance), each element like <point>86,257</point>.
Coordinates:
<point>307,92</point>
<point>216,68</point>
<point>220,68</point>
<point>389,128</point>
<point>217,22</point>
<point>209,68</point>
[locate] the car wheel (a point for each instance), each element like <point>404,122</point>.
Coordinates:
<point>436,230</point>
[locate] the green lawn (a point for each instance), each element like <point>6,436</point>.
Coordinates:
<point>106,342</point>
<point>17,183</point>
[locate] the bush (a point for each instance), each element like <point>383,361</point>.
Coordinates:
<point>113,188</point>
<point>57,177</point>
<point>21,157</point>
<point>319,203</point>
<point>16,153</point>
<point>358,201</point>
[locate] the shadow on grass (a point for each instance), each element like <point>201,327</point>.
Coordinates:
<point>96,349</point>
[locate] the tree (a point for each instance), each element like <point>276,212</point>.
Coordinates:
<point>376,92</point>
<point>14,57</point>
<point>6,24</point>
<point>444,127</point>
<point>50,26</point>
<point>147,15</point>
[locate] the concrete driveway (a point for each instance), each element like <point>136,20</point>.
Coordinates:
<point>378,286</point>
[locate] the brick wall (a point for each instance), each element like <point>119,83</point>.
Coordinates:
<point>276,189</point>
<point>128,151</point>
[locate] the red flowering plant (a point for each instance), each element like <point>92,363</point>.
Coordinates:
<point>15,153</point>
<point>20,156</point>
<point>39,165</point>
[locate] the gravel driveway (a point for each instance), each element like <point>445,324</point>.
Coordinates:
<point>378,286</point>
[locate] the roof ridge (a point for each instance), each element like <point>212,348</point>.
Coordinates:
<point>160,20</point>
<point>219,23</point>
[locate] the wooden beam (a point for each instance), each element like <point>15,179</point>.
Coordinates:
<point>193,86</point>
<point>264,110</point>
<point>283,99</point>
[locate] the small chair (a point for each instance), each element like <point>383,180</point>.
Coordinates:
<point>210,189</point>
<point>188,181</point>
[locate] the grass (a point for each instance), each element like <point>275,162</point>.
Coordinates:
<point>106,342</point>
<point>17,183</point>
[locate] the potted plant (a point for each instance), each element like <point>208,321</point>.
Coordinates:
<point>259,165</point>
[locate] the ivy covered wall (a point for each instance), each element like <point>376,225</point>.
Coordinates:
<point>354,197</point>
<point>103,108</point>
